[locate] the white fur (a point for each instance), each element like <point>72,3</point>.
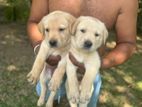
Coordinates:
<point>80,92</point>
<point>53,22</point>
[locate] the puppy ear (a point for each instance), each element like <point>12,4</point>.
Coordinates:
<point>71,19</point>
<point>105,34</point>
<point>74,26</point>
<point>41,27</point>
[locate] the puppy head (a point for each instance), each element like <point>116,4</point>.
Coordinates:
<point>55,27</point>
<point>89,33</point>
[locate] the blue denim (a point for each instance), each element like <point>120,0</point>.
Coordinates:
<point>62,92</point>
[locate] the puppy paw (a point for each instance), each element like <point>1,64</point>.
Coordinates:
<point>73,96</point>
<point>40,102</point>
<point>53,84</point>
<point>49,104</point>
<point>32,77</point>
<point>85,96</point>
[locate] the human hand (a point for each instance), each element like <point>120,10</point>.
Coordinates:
<point>107,63</point>
<point>121,53</point>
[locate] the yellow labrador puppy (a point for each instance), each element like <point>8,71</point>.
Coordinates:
<point>55,28</point>
<point>88,35</point>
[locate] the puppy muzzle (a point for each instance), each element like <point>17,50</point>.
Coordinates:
<point>53,43</point>
<point>87,44</point>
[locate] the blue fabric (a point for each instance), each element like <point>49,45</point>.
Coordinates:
<point>97,87</point>
<point>62,92</point>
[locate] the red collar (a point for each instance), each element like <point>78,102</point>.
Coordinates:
<point>75,62</point>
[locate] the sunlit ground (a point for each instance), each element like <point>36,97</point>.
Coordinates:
<point>122,85</point>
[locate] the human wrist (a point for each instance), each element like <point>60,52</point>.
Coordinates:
<point>36,46</point>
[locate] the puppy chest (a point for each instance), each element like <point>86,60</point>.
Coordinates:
<point>56,52</point>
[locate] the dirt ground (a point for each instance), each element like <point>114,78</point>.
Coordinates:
<point>122,85</point>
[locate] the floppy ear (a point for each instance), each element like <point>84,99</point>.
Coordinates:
<point>74,26</point>
<point>41,27</point>
<point>105,34</point>
<point>71,19</point>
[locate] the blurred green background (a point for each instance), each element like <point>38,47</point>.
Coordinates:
<point>14,10</point>
<point>139,22</point>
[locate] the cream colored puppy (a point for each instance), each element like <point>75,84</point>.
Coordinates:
<point>88,35</point>
<point>56,30</point>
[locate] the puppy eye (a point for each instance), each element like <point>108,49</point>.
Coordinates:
<point>83,30</point>
<point>96,34</point>
<point>47,30</point>
<point>61,29</point>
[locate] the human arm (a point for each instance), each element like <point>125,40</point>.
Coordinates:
<point>39,8</point>
<point>125,34</point>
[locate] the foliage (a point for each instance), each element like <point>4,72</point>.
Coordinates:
<point>139,22</point>
<point>17,10</point>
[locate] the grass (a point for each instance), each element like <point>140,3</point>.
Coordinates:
<point>122,85</point>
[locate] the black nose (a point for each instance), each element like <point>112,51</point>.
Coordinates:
<point>53,43</point>
<point>87,44</point>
